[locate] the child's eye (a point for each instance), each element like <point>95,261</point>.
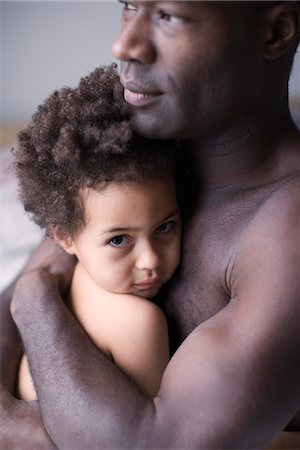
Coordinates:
<point>120,241</point>
<point>165,227</point>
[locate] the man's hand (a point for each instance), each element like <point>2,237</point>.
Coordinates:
<point>29,287</point>
<point>53,259</point>
<point>21,425</point>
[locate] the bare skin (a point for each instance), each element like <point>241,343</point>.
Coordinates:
<point>13,412</point>
<point>234,308</point>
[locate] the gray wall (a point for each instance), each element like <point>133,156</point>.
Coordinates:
<point>45,45</point>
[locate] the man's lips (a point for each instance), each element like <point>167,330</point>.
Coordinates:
<point>138,95</point>
<point>137,99</point>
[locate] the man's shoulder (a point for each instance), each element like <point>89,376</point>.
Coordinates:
<point>271,237</point>
<point>264,266</point>
<point>283,202</point>
<point>274,227</point>
<point>277,202</point>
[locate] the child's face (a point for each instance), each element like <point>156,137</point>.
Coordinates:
<point>132,238</point>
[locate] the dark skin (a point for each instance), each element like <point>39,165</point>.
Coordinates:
<point>217,77</point>
<point>13,412</point>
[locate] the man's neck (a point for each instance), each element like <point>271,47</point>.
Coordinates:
<point>243,158</point>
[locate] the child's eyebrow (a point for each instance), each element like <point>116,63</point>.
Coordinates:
<point>117,230</point>
<point>128,229</point>
<point>171,216</point>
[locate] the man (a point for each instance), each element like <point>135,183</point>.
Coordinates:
<point>215,75</point>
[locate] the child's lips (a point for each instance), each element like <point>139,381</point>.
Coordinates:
<point>149,283</point>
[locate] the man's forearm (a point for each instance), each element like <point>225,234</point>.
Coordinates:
<point>55,358</point>
<point>47,254</point>
<point>21,422</point>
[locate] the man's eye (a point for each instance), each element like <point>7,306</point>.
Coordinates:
<point>127,6</point>
<point>120,241</point>
<point>165,227</point>
<point>170,18</point>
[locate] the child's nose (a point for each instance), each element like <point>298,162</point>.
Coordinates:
<point>148,259</point>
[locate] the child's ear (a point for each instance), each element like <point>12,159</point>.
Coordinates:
<point>65,241</point>
<point>282,28</point>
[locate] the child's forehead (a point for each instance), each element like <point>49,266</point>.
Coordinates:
<point>125,204</point>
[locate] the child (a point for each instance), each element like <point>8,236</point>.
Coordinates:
<point>109,197</point>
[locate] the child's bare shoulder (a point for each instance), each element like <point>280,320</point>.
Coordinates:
<point>107,316</point>
<point>135,314</point>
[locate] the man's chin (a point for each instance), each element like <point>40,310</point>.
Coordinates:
<point>149,127</point>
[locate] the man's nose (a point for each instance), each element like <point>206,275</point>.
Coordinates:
<point>134,42</point>
<point>148,258</point>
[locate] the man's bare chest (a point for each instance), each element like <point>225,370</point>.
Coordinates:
<point>198,290</point>
<point>212,237</point>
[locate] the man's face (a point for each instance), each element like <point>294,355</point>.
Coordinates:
<point>188,68</point>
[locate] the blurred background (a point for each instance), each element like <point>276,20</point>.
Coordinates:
<point>45,45</point>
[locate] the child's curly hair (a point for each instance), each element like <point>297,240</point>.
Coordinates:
<point>81,138</point>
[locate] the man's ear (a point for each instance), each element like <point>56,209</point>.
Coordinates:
<point>65,241</point>
<point>282,28</point>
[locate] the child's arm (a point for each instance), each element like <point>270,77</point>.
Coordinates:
<point>26,390</point>
<point>140,347</point>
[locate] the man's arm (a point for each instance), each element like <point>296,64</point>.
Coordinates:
<point>21,422</point>
<point>233,383</point>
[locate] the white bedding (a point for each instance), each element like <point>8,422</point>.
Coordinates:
<point>18,234</point>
